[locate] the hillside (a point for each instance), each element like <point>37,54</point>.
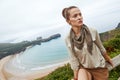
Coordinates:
<point>118,26</point>
<point>110,34</point>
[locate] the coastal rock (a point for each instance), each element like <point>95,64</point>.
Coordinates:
<point>55,36</point>
<point>118,26</point>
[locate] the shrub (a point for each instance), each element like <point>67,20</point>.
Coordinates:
<point>112,44</point>
<point>62,73</point>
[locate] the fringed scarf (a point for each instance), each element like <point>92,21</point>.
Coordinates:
<point>79,42</point>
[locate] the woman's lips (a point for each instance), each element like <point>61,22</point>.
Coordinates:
<point>80,21</point>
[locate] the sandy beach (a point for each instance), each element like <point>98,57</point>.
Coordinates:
<point>23,75</point>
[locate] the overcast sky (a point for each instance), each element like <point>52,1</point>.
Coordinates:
<point>22,18</point>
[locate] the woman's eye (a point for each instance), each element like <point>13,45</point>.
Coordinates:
<point>80,14</point>
<point>75,15</point>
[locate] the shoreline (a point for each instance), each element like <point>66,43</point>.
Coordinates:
<point>47,71</point>
<point>34,73</point>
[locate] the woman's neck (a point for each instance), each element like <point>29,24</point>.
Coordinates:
<point>76,30</point>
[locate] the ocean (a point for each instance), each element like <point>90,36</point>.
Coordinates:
<point>44,55</point>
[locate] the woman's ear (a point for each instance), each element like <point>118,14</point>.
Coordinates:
<point>68,21</point>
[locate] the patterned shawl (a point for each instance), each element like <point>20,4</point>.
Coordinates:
<point>79,42</point>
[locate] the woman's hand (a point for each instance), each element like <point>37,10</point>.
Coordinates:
<point>76,74</point>
<point>111,63</point>
<point>75,79</point>
<point>108,59</point>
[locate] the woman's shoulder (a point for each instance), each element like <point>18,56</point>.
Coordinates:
<point>93,32</point>
<point>67,37</point>
<point>92,29</point>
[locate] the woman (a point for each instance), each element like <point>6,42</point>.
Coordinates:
<point>87,54</point>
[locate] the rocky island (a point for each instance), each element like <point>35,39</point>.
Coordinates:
<point>55,36</point>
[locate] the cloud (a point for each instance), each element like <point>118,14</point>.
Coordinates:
<point>22,17</point>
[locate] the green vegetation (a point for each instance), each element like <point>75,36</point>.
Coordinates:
<point>62,73</point>
<point>13,48</point>
<point>115,73</point>
<point>110,34</point>
<point>113,48</point>
<point>112,45</point>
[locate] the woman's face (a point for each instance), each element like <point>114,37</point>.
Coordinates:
<point>75,18</point>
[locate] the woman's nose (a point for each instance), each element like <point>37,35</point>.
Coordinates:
<point>79,17</point>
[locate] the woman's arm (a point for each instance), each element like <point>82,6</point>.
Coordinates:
<point>76,74</point>
<point>108,59</point>
<point>102,49</point>
<point>73,60</point>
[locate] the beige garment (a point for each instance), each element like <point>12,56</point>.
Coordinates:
<point>83,57</point>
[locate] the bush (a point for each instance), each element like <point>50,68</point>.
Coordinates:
<point>115,43</point>
<point>62,73</point>
<point>112,44</point>
<point>118,36</point>
<point>115,73</point>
